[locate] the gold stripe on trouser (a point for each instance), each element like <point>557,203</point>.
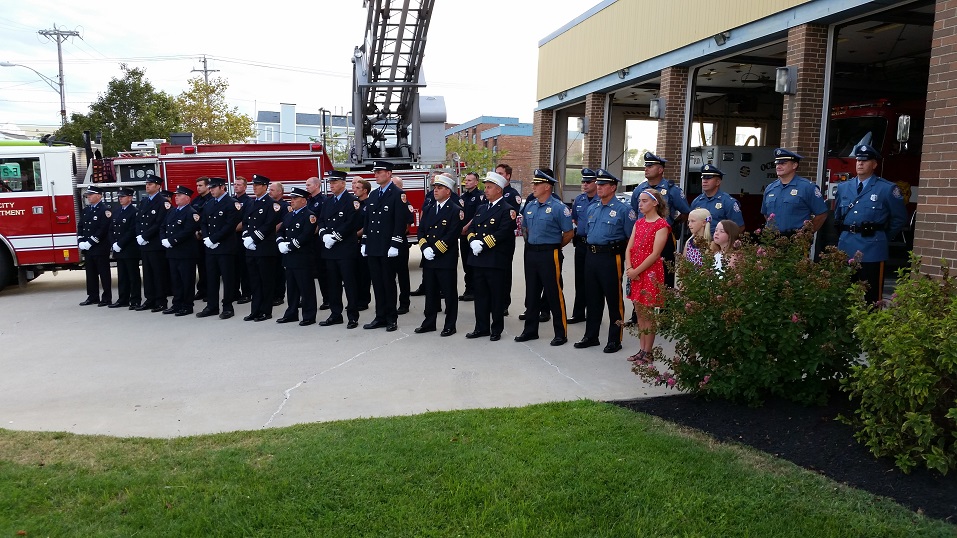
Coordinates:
<point>880,282</point>
<point>561,294</point>
<point>621,298</point>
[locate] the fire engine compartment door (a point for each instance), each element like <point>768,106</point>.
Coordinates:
<point>185,172</point>
<point>26,208</point>
<point>291,171</point>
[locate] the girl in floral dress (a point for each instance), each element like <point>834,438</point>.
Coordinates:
<point>699,222</point>
<point>644,267</point>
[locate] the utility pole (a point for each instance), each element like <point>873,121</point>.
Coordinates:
<point>60,36</point>
<point>205,71</point>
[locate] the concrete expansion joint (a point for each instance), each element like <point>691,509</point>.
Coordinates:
<point>550,363</point>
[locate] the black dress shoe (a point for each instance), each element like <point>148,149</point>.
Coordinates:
<point>184,312</point>
<point>522,317</point>
<point>352,324</point>
<point>118,304</point>
<point>199,296</point>
<point>88,302</point>
<point>287,319</point>
<point>324,306</point>
<point>587,342</point>
<point>227,314</point>
<point>142,307</point>
<point>244,299</point>
<point>206,312</point>
<point>575,319</point>
<point>278,302</point>
<point>526,337</point>
<point>159,308</point>
<point>495,337</point>
<point>476,334</point>
<point>330,321</point>
<point>466,297</point>
<point>171,310</point>
<point>306,322</point>
<point>363,307</point>
<point>134,306</point>
<point>402,310</point>
<point>505,313</point>
<point>420,330</point>
<point>544,317</point>
<point>447,332</point>
<point>262,317</point>
<point>392,327</point>
<point>250,317</point>
<point>375,324</point>
<point>612,347</point>
<point>103,303</point>
<point>558,341</point>
<point>417,291</point>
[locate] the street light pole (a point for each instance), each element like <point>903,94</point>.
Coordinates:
<point>56,86</point>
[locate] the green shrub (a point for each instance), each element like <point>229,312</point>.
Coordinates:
<point>773,324</point>
<point>908,391</point>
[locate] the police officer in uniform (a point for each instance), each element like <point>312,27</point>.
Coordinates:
<point>472,198</point>
<point>295,237</point>
<point>439,232</point>
<point>338,223</point>
<point>261,219</point>
<point>150,216</point>
<point>608,225</point>
<point>383,233</point>
<point>580,207</point>
<point>126,251</point>
<point>93,233</point>
<point>720,204</point>
<point>492,242</point>
<point>179,240</point>
<point>869,211</point>
<point>219,219</point>
<point>202,198</point>
<point>791,200</point>
<point>547,227</point>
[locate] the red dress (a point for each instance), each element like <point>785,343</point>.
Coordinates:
<point>646,289</point>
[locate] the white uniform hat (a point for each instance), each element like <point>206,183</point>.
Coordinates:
<point>496,179</point>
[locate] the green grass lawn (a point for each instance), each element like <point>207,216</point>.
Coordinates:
<point>564,469</point>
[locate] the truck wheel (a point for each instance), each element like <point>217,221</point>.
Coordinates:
<point>7,273</point>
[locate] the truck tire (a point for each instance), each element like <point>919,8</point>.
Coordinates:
<point>7,272</point>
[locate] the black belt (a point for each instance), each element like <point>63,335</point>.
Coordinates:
<point>579,241</point>
<point>538,248</point>
<point>867,227</point>
<point>610,247</point>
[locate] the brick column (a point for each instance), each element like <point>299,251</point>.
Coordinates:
<point>935,236</point>
<point>801,115</point>
<point>593,147</point>
<point>671,128</point>
<point>542,125</point>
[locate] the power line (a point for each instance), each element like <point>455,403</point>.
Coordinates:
<point>60,36</point>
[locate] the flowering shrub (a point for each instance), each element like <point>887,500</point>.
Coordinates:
<point>770,323</point>
<point>908,392</point>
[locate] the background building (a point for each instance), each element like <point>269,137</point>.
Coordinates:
<point>502,134</point>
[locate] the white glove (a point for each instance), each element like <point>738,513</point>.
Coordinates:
<point>363,251</point>
<point>249,243</point>
<point>141,241</point>
<point>85,245</point>
<point>116,247</point>
<point>328,240</point>
<point>208,242</point>
<point>251,246</point>
<point>393,252</point>
<point>428,253</point>
<point>166,243</point>
<point>213,245</point>
<point>476,246</point>
<point>284,248</point>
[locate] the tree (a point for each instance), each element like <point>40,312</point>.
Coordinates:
<point>130,110</point>
<point>205,113</point>
<point>477,159</point>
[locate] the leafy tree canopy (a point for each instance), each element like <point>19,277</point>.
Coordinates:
<point>205,113</point>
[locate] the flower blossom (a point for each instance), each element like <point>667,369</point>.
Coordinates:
<point>794,318</point>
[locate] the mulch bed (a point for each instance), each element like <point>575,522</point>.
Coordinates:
<point>813,439</point>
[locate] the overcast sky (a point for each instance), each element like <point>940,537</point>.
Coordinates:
<point>481,56</point>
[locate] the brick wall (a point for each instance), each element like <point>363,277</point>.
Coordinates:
<point>542,125</point>
<point>594,141</point>
<point>671,128</point>
<point>935,237</point>
<point>801,115</point>
<point>519,158</point>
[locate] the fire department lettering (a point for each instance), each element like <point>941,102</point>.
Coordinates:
<point>7,210</point>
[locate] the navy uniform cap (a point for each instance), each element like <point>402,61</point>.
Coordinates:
<point>588,175</point>
<point>125,192</point>
<point>710,170</point>
<point>544,175</point>
<point>93,190</point>
<point>218,182</point>
<point>783,155</point>
<point>299,193</point>
<point>260,180</point>
<point>184,190</point>
<point>381,165</point>
<point>604,177</point>
<point>866,153</point>
<point>333,175</point>
<point>167,194</point>
<point>651,158</point>
<point>154,179</point>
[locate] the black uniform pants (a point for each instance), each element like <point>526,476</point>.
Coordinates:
<point>98,277</point>
<point>668,255</point>
<point>220,267</point>
<point>872,273</point>
<point>490,294</point>
<point>129,285</point>
<point>439,282</point>
<point>543,276</point>
<point>182,272</point>
<point>382,271</point>
<point>203,279</point>
<point>341,276</point>
<point>363,282</point>
<point>262,282</point>
<point>401,263</point>
<point>603,274</point>
<point>300,293</point>
<point>243,285</point>
<point>155,271</point>
<point>467,269</point>
<point>320,271</point>
<point>581,296</point>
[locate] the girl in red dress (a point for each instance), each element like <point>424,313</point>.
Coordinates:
<point>644,267</point>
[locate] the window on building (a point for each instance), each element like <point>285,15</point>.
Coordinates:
<point>640,136</point>
<point>748,135</point>
<point>702,134</point>
<point>574,151</point>
<point>268,133</point>
<point>495,145</point>
<point>20,174</point>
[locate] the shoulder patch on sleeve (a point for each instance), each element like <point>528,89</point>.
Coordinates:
<point>312,219</point>
<point>632,215</point>
<point>356,204</point>
<point>196,217</point>
<point>897,193</point>
<point>239,206</point>
<point>817,192</point>
<point>404,198</point>
<point>276,207</point>
<point>168,205</point>
<point>512,213</point>
<point>461,215</point>
<point>568,211</point>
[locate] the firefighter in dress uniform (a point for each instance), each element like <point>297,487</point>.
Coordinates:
<point>720,204</point>
<point>439,232</point>
<point>277,192</point>
<point>361,189</point>
<point>202,198</point>
<point>547,227</point>
<point>492,242</point>
<point>314,203</point>
<point>179,240</point>
<point>150,216</point>
<point>382,236</point>
<point>218,221</point>
<point>580,207</point>
<point>472,198</point>
<point>513,198</point>
<point>338,223</point>
<point>791,200</point>
<point>262,216</point>
<point>609,223</point>
<point>429,204</point>
<point>93,235</point>
<point>243,286</point>
<point>401,262</point>
<point>294,238</point>
<point>126,252</point>
<point>869,211</point>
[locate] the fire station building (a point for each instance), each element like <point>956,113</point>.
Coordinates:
<point>727,82</point>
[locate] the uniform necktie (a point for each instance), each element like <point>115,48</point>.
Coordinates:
<point>860,187</point>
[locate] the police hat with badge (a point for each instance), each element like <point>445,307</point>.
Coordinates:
<point>651,158</point>
<point>296,192</point>
<point>544,175</point>
<point>381,165</point>
<point>337,175</point>
<point>710,171</point>
<point>93,190</point>
<point>125,192</point>
<point>218,182</point>
<point>588,175</point>
<point>782,155</point>
<point>865,152</point>
<point>257,180</point>
<point>604,177</point>
<point>154,179</point>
